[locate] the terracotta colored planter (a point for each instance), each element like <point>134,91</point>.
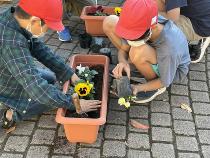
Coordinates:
<point>85,129</point>
<point>94,24</point>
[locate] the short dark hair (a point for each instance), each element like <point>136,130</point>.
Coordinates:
<point>23,15</point>
<point>146,34</point>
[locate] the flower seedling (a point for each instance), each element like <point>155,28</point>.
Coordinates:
<point>125,101</point>
<point>85,87</point>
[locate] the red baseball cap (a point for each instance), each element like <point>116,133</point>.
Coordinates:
<point>48,10</point>
<point>136,17</point>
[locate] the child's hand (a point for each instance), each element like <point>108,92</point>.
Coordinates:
<point>74,79</point>
<point>117,71</point>
<point>89,105</point>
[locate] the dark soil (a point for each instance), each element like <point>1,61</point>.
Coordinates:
<point>98,82</point>
<point>96,14</point>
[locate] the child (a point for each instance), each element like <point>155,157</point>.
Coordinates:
<point>157,48</point>
<point>25,89</point>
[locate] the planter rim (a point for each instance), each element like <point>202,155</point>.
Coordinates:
<point>60,116</point>
<point>90,17</point>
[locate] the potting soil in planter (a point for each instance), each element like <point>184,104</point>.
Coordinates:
<point>97,11</point>
<point>98,82</point>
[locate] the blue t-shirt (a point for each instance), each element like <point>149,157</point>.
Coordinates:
<point>172,53</point>
<point>198,11</point>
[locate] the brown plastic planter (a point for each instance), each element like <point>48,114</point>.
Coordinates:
<point>85,130</point>
<point>94,24</point>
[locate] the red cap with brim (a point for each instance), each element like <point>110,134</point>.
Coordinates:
<point>58,26</point>
<point>129,34</point>
<point>136,18</point>
<point>48,10</point>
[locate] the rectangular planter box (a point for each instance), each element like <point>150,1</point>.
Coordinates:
<point>94,24</point>
<point>85,130</point>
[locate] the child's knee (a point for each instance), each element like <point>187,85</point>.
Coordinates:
<point>109,23</point>
<point>136,55</point>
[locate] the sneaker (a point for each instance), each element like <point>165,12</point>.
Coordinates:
<point>145,97</point>
<point>197,51</point>
<point>64,35</point>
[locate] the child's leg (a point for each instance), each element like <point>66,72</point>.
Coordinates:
<point>34,109</point>
<point>143,57</point>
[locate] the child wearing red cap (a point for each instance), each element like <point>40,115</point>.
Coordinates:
<point>25,89</point>
<point>193,18</point>
<point>156,46</point>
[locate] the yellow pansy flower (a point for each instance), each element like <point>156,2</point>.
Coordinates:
<point>117,11</point>
<point>127,104</point>
<point>121,101</point>
<point>82,89</point>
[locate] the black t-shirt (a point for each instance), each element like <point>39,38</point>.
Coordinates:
<point>198,11</point>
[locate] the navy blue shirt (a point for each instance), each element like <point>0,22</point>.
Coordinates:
<point>198,11</point>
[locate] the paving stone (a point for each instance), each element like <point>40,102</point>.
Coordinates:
<point>181,114</point>
<point>17,143</point>
<point>184,127</point>
<point>98,142</point>
<point>54,42</point>
<point>38,151</point>
<point>178,100</point>
<point>201,108</point>
<point>61,132</point>
<point>3,135</point>
<point>204,136</point>
<point>205,151</point>
<point>79,50</point>
<point>188,155</point>
<point>88,152</point>
<point>160,119</point>
<point>43,137</point>
<point>61,156</point>
<point>62,146</point>
<point>64,54</point>
<point>24,128</point>
<point>160,106</point>
<point>184,81</point>
<point>160,150</point>
<point>138,154</point>
<point>202,121</point>
<point>198,85</point>
<point>162,134</point>
<point>68,46</point>
<point>186,143</point>
<point>114,59</point>
<point>115,132</point>
<point>114,148</point>
<point>196,75</point>
<point>179,89</point>
<point>117,117</point>
<point>8,155</point>
<point>208,65</point>
<point>208,57</point>
<point>200,96</point>
<point>143,121</point>
<point>138,112</point>
<point>113,105</point>
<point>136,140</point>
<point>163,97</point>
<point>47,121</point>
<point>198,67</point>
